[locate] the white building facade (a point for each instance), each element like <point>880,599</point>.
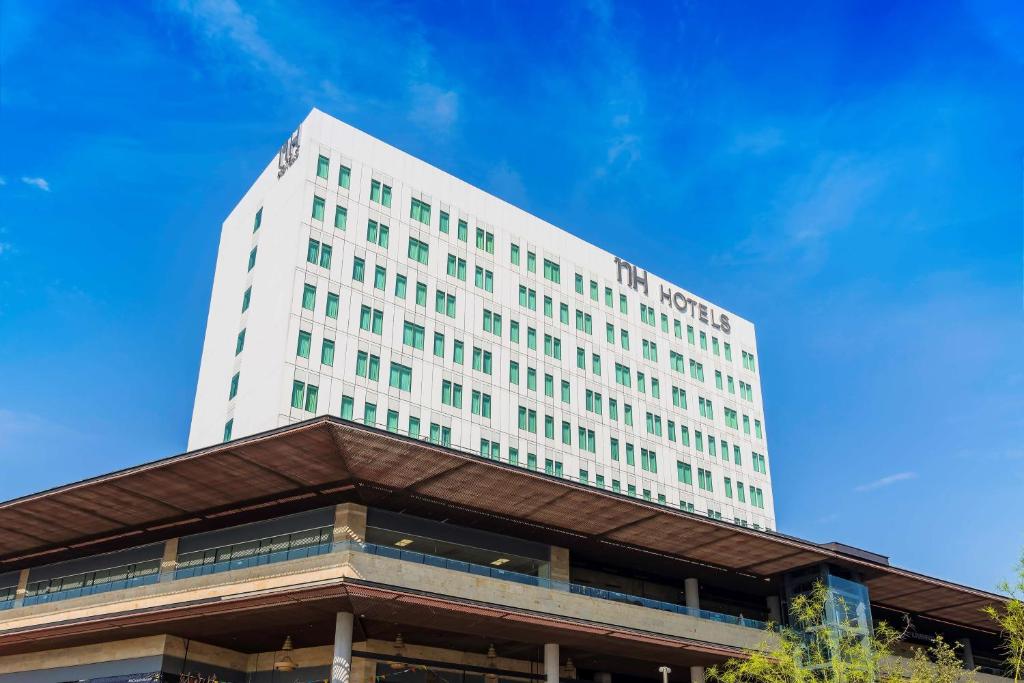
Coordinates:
<point>356,280</point>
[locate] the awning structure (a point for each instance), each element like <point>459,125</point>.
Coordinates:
<point>325,458</point>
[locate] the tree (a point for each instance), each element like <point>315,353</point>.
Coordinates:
<point>1010,618</point>
<point>816,649</point>
<point>939,663</point>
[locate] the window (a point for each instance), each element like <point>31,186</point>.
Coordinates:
<point>380,278</point>
<point>650,350</point>
<point>705,408</point>
<point>312,393</point>
<point>344,177</point>
<point>614,449</point>
<point>358,269</point>
<point>622,375</point>
<point>414,427</point>
<point>482,360</point>
<point>485,240</point>
<point>683,473</point>
<point>675,361</point>
<point>696,370</point>
<point>246,298</point>
<point>256,223</point>
<point>463,231</point>
<point>418,251</point>
<point>704,341</point>
<point>439,345</point>
<point>457,267</point>
<point>648,461</point>
<point>309,297</point>
<point>377,233</point>
<point>298,393</point>
<point>392,423</point>
<point>318,208</point>
<point>451,394</point>
<point>340,217</point>
<point>528,419</point>
<point>731,418</point>
<point>513,331</point>
<point>552,271</point>
<point>325,256</point>
<point>757,429</point>
<point>371,319</point>
<point>413,335</point>
<point>480,404</point>
<point>379,193</point>
<point>689,334</point>
<point>457,352</point>
<point>704,480</point>
<point>552,346</point>
<point>240,342</point>
<point>528,297</point>
<point>401,285</point>
<point>327,352</point>
<point>445,303</point>
<point>421,294</point>
<point>531,262</point>
<point>347,407</point>
<point>514,255</point>
<point>608,297</point>
<point>252,258</point>
<point>370,413</point>
<point>305,341</point>
<point>579,283</point>
<point>623,304</point>
<point>400,377</point>
<point>595,361</point>
<point>367,365</point>
<point>531,338</point>
<point>513,372</point>
<point>323,165</point>
<point>227,429</point>
<point>492,322</point>
<point>420,211</point>
<point>679,397</point>
<point>566,392</point>
<point>484,279</point>
<point>233,391</point>
<point>444,222</point>
<point>333,304</point>
<point>609,333</point>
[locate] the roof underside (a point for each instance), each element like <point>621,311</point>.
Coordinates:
<point>326,456</point>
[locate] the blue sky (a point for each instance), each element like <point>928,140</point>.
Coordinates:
<point>846,175</point>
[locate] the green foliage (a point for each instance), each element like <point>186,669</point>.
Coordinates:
<point>939,663</point>
<point>1010,618</point>
<point>814,650</point>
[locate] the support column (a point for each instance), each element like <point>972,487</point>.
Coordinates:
<point>350,523</point>
<point>559,564</point>
<point>774,609</point>
<point>170,560</point>
<point>341,664</point>
<point>692,593</point>
<point>691,590</point>
<point>967,653</point>
<point>19,592</point>
<point>550,663</point>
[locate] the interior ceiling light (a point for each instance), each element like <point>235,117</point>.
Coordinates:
<point>500,561</point>
<point>404,542</point>
<point>284,662</point>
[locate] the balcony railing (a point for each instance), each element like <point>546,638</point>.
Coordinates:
<point>313,543</point>
<point>530,580</point>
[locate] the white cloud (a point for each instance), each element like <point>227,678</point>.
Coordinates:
<point>225,20</point>
<point>433,107</point>
<point>886,481</point>
<point>36,182</point>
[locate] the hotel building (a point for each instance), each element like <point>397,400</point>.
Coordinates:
<point>355,280</point>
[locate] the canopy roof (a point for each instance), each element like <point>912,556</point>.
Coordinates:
<point>326,457</point>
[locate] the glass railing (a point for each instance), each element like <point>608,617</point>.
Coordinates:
<point>6,604</point>
<point>255,553</point>
<point>294,553</point>
<point>530,580</point>
<point>93,589</point>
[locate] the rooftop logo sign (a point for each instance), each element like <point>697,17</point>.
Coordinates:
<point>289,152</point>
<point>635,278</point>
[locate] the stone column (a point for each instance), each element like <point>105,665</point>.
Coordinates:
<point>551,662</point>
<point>967,653</point>
<point>170,560</point>
<point>341,664</point>
<point>774,609</point>
<point>350,523</point>
<point>559,564</point>
<point>692,591</point>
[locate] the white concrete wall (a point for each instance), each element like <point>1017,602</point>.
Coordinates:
<point>269,365</point>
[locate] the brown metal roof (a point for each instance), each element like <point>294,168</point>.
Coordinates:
<point>319,458</point>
